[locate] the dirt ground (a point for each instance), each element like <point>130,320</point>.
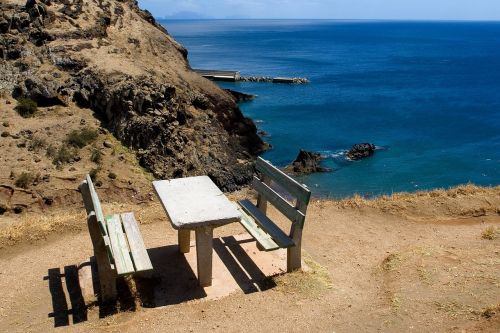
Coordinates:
<point>420,262</point>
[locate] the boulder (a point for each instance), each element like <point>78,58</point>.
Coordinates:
<point>361,150</point>
<point>306,162</point>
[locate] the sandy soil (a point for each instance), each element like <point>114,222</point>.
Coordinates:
<point>419,262</point>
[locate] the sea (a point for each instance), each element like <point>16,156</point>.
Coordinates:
<point>427,94</point>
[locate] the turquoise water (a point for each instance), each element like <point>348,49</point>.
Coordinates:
<point>426,93</point>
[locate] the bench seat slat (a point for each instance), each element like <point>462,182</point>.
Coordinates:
<point>278,201</point>
<point>266,224</point>
<point>289,184</point>
<point>263,238</point>
<point>119,246</point>
<point>138,250</point>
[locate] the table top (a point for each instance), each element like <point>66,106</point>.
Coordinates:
<point>195,202</point>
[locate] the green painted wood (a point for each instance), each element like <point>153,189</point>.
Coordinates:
<point>140,256</point>
<point>119,246</point>
<point>97,205</point>
<point>289,184</point>
<point>278,201</point>
<point>266,224</point>
<point>263,238</point>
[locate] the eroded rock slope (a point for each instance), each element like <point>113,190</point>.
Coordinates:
<point>113,58</point>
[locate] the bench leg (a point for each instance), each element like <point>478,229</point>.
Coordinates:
<point>184,238</point>
<point>204,239</point>
<point>294,255</point>
<point>107,278</point>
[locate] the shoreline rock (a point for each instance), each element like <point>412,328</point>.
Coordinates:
<point>361,150</point>
<point>306,163</point>
<point>240,97</point>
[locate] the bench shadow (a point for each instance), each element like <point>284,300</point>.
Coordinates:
<point>173,282</point>
<point>78,309</point>
<point>245,272</point>
<point>61,311</point>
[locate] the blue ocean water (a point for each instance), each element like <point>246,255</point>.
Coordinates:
<point>426,93</point>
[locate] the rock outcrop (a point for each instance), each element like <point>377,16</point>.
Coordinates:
<point>240,97</point>
<point>306,163</point>
<point>113,58</point>
<point>361,150</point>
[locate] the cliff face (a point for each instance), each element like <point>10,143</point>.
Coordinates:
<point>111,57</point>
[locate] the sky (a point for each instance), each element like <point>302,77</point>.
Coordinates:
<point>327,9</point>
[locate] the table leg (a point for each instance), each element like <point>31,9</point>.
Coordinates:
<point>204,238</point>
<point>184,238</point>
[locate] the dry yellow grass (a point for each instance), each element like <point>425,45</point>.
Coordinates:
<point>311,282</point>
<point>461,201</point>
<point>32,227</point>
<point>490,233</point>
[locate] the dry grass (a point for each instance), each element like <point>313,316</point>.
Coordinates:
<point>491,311</point>
<point>391,262</point>
<point>34,227</point>
<point>461,201</point>
<point>37,227</point>
<point>490,233</point>
<point>312,282</point>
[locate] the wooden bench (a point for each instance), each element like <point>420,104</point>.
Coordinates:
<point>268,235</point>
<point>118,246</point>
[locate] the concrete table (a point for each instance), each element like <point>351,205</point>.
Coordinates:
<point>196,203</point>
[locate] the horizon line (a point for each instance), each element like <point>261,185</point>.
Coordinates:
<point>326,19</point>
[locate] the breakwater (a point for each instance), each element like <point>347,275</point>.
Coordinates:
<point>234,76</point>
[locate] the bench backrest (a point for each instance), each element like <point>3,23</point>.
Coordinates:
<point>269,174</point>
<point>92,203</point>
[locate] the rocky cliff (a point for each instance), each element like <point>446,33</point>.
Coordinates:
<point>112,58</point>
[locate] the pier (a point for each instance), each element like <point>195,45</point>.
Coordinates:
<point>234,76</point>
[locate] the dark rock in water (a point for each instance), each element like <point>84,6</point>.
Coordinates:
<point>240,97</point>
<point>262,133</point>
<point>306,162</point>
<point>361,150</point>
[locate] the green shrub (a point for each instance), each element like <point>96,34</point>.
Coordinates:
<point>5,124</point>
<point>111,175</point>
<point>37,144</point>
<point>61,155</point>
<point>5,134</point>
<point>81,138</point>
<point>24,180</point>
<point>51,151</point>
<point>96,156</point>
<point>26,107</point>
<point>93,173</point>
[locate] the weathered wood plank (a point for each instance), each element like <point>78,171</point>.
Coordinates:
<point>87,198</point>
<point>266,224</point>
<point>119,246</point>
<point>140,256</point>
<point>278,201</point>
<point>105,268</point>
<point>97,205</point>
<point>263,238</point>
<point>289,184</point>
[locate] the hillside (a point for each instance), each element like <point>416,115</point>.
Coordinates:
<point>106,70</point>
